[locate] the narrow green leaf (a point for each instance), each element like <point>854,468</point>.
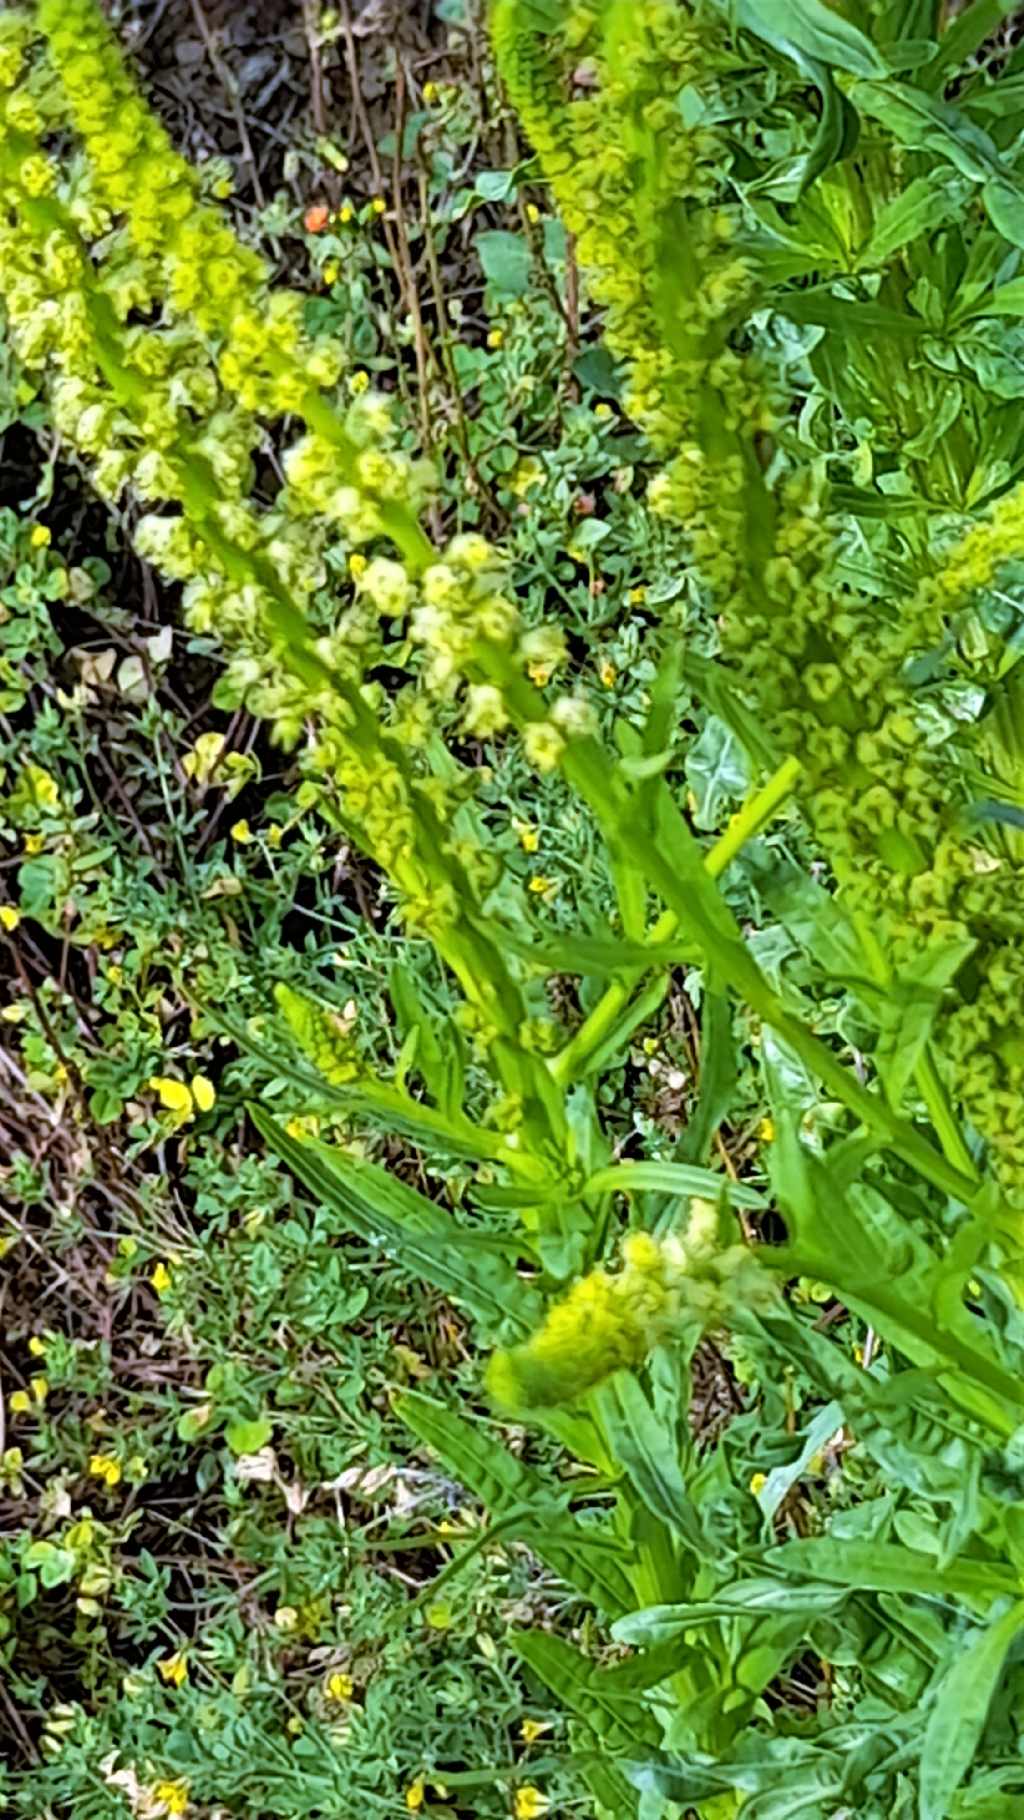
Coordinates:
<point>418,1233</point>
<point>683,1179</point>
<point>812,28</point>
<point>583,1556</point>
<point>958,1716</point>
<point>650,1454</point>
<point>717,1080</point>
<point>965,34</point>
<point>617,1716</point>
<point>926,204</point>
<point>886,1567</point>
<point>659,1624</point>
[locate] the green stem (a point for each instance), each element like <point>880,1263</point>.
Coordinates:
<point>600,1025</point>
<point>716,931</point>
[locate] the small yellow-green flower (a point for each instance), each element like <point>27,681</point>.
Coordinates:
<point>160,1277</point>
<point>173,1669</point>
<point>9,917</point>
<point>241,831</point>
<point>19,1402</point>
<point>496,338</point>
<point>40,537</point>
<point>340,1686</point>
<point>414,1795</point>
<point>758,1481</point>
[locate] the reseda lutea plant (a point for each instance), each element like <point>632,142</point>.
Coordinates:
<point>691,229</point>
<point>165,355</point>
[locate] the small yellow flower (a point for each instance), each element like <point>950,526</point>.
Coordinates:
<point>203,1092</point>
<point>19,1402</point>
<point>275,834</point>
<point>532,1729</point>
<point>430,92</point>
<point>529,839</point>
<point>602,410</point>
<point>303,1125</point>
<point>286,1618</point>
<point>530,1803</point>
<point>538,673</point>
<point>40,537</point>
<point>173,1796</point>
<point>359,382</point>
<point>241,831</point>
<point>34,843</point>
<point>173,1095</point>
<point>541,885</point>
<point>532,213</point>
<point>9,917</point>
<point>608,674</point>
<point>637,596</point>
<point>345,214</point>
<point>767,1131</point>
<point>160,1277</point>
<point>37,1347</point>
<point>340,1686</point>
<point>357,565</point>
<point>378,205</point>
<point>414,1795</point>
<point>173,1669</point>
<point>496,338</point>
<point>331,270</point>
<point>758,1481</point>
<point>40,1388</point>
<point>104,1466</point>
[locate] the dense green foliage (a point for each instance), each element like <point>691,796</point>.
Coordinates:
<point>803,227</point>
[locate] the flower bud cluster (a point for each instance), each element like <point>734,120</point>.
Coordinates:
<point>641,190</point>
<point>611,1321</point>
<point>325,1037</point>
